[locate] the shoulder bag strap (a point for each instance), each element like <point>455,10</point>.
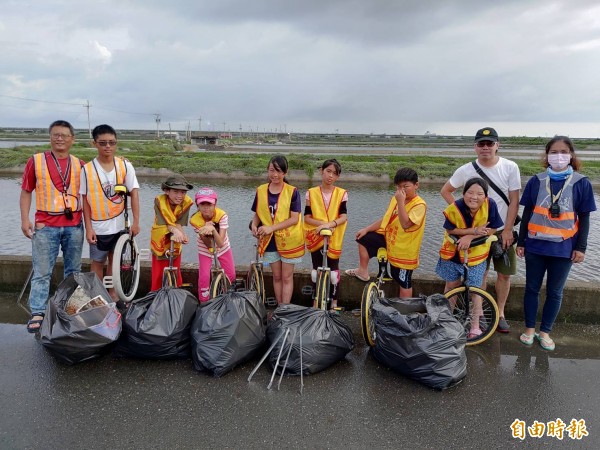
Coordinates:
<point>491,183</point>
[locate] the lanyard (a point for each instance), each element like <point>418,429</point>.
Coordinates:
<point>62,176</point>
<point>556,198</point>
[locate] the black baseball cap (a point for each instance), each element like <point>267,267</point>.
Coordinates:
<point>486,134</point>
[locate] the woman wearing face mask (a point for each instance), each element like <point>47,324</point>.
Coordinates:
<point>553,234</point>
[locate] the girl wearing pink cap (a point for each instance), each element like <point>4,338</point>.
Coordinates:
<point>211,223</point>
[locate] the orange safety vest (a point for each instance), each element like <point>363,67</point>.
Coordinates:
<point>477,254</point>
<point>290,241</point>
<point>104,206</point>
<point>160,241</point>
<point>47,197</point>
<point>403,246</point>
<point>314,241</point>
<point>554,229</point>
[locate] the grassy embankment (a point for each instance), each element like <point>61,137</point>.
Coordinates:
<point>165,154</point>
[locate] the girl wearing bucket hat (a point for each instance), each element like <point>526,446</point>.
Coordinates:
<point>171,213</point>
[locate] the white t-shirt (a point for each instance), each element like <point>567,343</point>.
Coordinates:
<point>108,181</point>
<point>505,174</point>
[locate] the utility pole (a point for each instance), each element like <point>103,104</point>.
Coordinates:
<point>157,120</point>
<point>199,123</point>
<point>224,126</point>
<point>88,114</point>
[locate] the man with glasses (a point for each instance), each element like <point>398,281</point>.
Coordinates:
<point>506,176</point>
<point>54,176</point>
<point>102,207</point>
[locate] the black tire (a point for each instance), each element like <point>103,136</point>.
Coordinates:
<point>322,291</point>
<point>488,316</point>
<point>256,282</point>
<point>219,285</point>
<point>169,278</point>
<point>126,267</point>
<point>370,296</point>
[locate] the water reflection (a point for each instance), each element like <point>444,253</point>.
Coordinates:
<point>366,203</point>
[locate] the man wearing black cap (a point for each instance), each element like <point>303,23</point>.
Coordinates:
<point>506,176</point>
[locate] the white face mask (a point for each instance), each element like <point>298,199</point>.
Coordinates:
<point>558,161</point>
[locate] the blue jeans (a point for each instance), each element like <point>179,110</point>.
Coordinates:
<point>46,243</point>
<point>557,270</point>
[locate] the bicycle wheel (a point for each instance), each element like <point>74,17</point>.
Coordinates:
<point>370,296</point>
<point>126,267</point>
<point>322,291</point>
<point>219,285</point>
<point>169,278</point>
<point>479,310</point>
<point>256,282</point>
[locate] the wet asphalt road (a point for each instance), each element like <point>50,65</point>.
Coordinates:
<point>122,404</point>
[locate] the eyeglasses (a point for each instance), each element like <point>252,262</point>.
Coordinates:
<point>105,143</point>
<point>482,144</point>
<point>60,136</point>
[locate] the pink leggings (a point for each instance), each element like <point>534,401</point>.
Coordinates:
<point>204,265</point>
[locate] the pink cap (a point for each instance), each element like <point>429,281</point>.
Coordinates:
<point>206,194</point>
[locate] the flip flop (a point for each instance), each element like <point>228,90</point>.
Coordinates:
<point>546,343</point>
<point>527,339</point>
<point>354,273</point>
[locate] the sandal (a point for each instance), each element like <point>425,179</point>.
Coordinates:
<point>37,322</point>
<point>474,333</point>
<point>527,339</point>
<point>354,273</point>
<point>546,343</point>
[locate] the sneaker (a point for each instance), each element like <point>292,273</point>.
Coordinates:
<point>503,326</point>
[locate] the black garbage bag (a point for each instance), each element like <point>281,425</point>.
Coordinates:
<point>83,335</point>
<point>429,348</point>
<point>157,326</point>
<point>325,338</point>
<point>228,330</point>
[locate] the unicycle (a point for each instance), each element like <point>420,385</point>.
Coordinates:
<point>472,306</point>
<point>372,294</point>
<point>126,258</point>
<point>255,280</point>
<point>219,283</point>
<point>323,280</point>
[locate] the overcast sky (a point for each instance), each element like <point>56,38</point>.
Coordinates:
<point>526,67</point>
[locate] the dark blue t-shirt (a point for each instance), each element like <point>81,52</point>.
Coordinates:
<point>583,202</point>
<point>295,206</point>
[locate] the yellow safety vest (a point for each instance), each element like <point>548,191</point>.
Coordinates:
<point>290,241</point>
<point>102,206</point>
<point>476,254</point>
<point>319,212</point>
<point>47,197</point>
<point>159,240</point>
<point>197,221</point>
<point>403,246</point>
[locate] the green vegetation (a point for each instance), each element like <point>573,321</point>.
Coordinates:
<point>166,154</point>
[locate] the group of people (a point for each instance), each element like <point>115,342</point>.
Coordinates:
<point>552,236</point>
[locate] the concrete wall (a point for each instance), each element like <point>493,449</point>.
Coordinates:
<point>580,303</point>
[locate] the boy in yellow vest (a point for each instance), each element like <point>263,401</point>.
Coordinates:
<point>102,207</point>
<point>400,231</point>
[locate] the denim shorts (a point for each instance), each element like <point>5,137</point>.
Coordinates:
<point>452,271</point>
<point>273,257</point>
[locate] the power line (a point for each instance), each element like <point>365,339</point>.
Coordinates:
<point>42,101</point>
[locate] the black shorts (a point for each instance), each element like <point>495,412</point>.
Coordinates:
<point>402,276</point>
<point>372,241</point>
<point>107,242</point>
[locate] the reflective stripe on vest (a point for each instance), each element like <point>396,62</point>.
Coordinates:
<point>160,241</point>
<point>555,229</point>
<point>476,254</point>
<point>319,212</point>
<point>290,241</point>
<point>47,196</point>
<point>102,206</point>
<point>403,246</point>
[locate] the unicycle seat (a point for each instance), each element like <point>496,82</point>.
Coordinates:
<point>384,273</point>
<point>325,232</point>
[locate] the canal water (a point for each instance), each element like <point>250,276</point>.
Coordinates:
<point>367,202</point>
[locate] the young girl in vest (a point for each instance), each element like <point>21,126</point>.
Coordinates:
<point>171,213</point>
<point>277,222</point>
<point>325,207</point>
<point>472,216</point>
<point>553,234</point>
<point>211,223</point>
